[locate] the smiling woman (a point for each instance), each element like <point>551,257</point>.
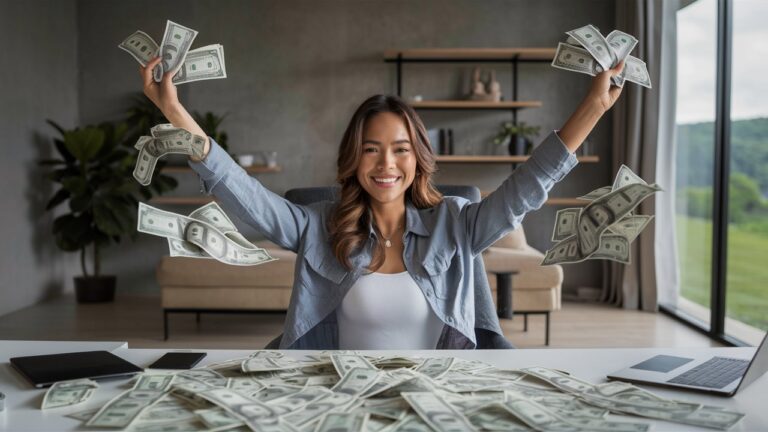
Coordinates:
<point>392,263</point>
<point>384,155</point>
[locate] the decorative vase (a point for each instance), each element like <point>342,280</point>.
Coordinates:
<point>517,145</point>
<point>95,289</point>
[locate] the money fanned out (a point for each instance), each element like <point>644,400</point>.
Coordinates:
<point>347,391</point>
<point>587,51</point>
<point>188,65</point>
<point>604,228</point>
<point>165,139</point>
<point>206,233</point>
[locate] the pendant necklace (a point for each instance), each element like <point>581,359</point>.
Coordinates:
<point>388,243</point>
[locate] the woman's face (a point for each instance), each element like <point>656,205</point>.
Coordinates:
<point>388,166</point>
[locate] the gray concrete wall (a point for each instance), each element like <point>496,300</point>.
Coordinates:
<point>38,80</point>
<point>296,72</point>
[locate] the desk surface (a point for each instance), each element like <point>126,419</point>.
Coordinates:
<point>22,405</point>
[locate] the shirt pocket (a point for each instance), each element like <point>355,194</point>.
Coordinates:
<point>437,266</point>
<point>321,273</point>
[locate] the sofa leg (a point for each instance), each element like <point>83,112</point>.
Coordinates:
<point>197,317</point>
<point>525,322</point>
<point>165,324</point>
<point>546,330</point>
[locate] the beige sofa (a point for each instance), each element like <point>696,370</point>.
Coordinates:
<point>191,285</point>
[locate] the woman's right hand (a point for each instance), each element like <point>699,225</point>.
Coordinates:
<point>162,94</point>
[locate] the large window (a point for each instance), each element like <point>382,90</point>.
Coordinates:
<point>746,288</point>
<point>722,167</point>
<point>696,98</point>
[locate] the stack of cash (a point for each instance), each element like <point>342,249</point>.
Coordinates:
<point>165,139</point>
<point>347,391</point>
<point>206,233</point>
<point>198,64</point>
<point>587,51</point>
<point>604,228</point>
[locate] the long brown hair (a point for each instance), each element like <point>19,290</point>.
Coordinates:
<point>349,225</point>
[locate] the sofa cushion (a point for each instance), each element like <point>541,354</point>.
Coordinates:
<point>196,272</point>
<point>527,262</point>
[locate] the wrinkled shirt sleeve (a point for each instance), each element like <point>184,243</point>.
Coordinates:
<point>524,190</point>
<point>278,219</point>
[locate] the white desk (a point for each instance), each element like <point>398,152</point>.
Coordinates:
<point>22,406</point>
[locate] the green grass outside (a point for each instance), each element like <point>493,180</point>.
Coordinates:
<point>747,272</point>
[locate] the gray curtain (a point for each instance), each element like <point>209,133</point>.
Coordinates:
<point>643,139</point>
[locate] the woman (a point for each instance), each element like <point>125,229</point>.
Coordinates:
<point>391,264</point>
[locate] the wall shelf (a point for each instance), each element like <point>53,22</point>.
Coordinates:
<point>470,55</point>
<point>251,169</point>
<point>478,105</point>
<point>202,200</point>
<point>490,159</point>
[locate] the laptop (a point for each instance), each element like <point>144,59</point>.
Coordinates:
<point>44,370</point>
<point>723,376</point>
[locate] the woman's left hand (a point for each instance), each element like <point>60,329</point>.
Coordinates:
<point>602,92</point>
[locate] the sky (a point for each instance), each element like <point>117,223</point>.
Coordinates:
<point>696,50</point>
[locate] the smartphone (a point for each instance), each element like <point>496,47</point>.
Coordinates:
<point>177,360</point>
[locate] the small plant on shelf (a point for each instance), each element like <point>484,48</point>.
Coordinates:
<point>518,137</point>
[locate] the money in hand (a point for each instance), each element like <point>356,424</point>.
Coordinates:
<point>587,51</point>
<point>190,65</point>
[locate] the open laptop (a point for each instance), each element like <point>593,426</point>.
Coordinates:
<point>720,375</point>
<point>44,370</point>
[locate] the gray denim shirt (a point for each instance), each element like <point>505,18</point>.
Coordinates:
<point>441,245</point>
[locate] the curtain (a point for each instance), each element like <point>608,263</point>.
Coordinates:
<point>643,139</point>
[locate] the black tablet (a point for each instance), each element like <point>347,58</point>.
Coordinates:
<point>44,370</point>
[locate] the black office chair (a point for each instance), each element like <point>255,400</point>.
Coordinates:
<point>486,339</point>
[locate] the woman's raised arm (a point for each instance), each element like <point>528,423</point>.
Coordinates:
<point>164,96</point>
<point>601,97</point>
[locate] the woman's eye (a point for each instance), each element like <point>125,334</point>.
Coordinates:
<point>403,150</point>
<point>369,150</point>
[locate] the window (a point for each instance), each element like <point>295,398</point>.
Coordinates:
<point>746,290</point>
<point>695,120</point>
<point>721,165</point>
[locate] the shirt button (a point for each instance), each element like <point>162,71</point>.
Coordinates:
<point>428,294</point>
<point>449,320</point>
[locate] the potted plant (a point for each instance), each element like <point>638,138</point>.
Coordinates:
<point>94,170</point>
<point>517,136</point>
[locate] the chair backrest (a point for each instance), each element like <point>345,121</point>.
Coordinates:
<point>309,195</point>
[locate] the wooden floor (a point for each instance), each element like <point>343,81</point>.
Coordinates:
<point>138,320</point>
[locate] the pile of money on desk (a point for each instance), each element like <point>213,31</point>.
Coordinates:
<point>346,391</point>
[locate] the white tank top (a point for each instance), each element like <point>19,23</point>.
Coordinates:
<point>387,311</point>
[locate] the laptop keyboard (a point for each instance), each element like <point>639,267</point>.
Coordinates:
<point>716,372</point>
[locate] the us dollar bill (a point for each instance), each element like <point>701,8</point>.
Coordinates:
<point>191,237</point>
<point>565,223</point>
<point>587,51</point>
<point>68,393</point>
<point>437,413</point>
<point>199,64</point>
<point>177,40</point>
<point>124,409</point>
<point>202,63</point>
<point>606,227</point>
<point>333,422</point>
<point>165,139</point>
<point>223,396</point>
